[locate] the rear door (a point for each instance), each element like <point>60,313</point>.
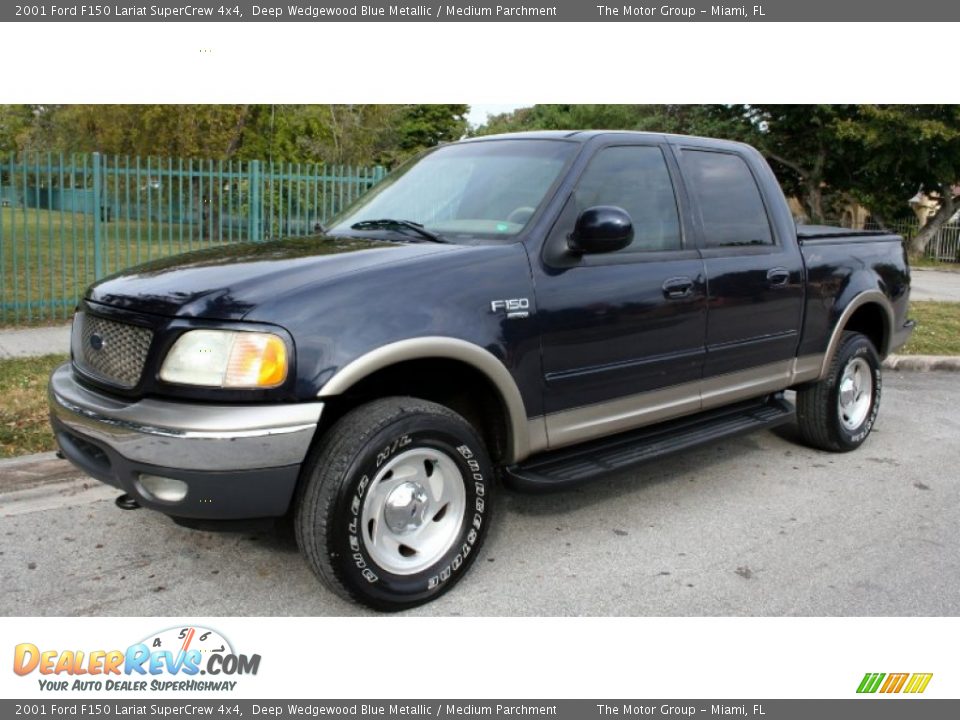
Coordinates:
<point>623,332</point>
<point>754,277</point>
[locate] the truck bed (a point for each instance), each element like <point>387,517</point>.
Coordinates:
<point>837,272</point>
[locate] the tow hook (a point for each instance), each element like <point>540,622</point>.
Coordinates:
<point>127,502</point>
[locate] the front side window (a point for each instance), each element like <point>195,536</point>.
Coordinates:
<point>731,208</point>
<point>635,179</point>
<point>486,189</point>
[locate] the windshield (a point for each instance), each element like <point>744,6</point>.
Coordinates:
<point>480,189</point>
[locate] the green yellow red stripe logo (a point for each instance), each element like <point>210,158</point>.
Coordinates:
<point>889,683</point>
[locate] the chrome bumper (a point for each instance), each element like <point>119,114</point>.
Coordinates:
<point>227,461</point>
<point>187,436</point>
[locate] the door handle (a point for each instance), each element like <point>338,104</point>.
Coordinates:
<point>778,277</point>
<point>677,287</point>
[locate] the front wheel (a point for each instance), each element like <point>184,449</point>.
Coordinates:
<point>838,412</point>
<point>395,502</point>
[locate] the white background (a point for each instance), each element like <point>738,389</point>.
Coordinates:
<point>505,63</point>
<point>478,62</point>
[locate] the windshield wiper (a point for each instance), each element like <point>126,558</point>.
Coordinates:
<point>388,223</point>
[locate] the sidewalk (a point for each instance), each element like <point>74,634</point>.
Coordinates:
<point>31,342</point>
<point>938,285</point>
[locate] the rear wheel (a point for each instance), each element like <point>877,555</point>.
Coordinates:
<point>838,412</point>
<point>394,503</point>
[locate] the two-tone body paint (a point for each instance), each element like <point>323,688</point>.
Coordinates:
<point>601,331</point>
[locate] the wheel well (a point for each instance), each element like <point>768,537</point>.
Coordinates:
<point>870,320</point>
<point>451,383</point>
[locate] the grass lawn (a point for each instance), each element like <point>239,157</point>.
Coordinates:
<point>937,331</point>
<point>24,426</point>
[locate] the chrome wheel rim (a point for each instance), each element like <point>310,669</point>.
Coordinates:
<point>856,393</point>
<point>413,511</point>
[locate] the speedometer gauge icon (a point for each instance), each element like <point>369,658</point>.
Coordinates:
<point>190,637</point>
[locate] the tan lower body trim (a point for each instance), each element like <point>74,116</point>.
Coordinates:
<point>806,368</point>
<point>537,434</point>
<point>607,418</point>
<point>569,427</point>
<point>756,381</point>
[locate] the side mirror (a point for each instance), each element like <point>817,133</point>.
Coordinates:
<point>601,229</point>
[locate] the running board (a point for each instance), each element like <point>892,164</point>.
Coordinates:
<point>567,467</point>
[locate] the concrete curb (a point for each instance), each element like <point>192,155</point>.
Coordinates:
<point>923,363</point>
<point>34,471</point>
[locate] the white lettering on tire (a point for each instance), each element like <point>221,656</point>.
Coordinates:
<point>480,489</point>
<point>877,387</point>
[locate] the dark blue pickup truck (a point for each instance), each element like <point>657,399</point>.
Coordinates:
<point>542,308</point>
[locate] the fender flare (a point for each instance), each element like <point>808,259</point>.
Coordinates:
<point>864,298</point>
<point>425,348</point>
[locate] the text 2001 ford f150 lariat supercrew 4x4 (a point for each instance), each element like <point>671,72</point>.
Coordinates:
<point>543,307</point>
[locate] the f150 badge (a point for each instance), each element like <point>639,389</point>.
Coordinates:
<point>514,307</point>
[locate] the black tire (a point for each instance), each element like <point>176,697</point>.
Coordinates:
<point>343,467</point>
<point>818,404</point>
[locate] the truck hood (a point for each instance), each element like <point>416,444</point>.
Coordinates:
<point>227,282</point>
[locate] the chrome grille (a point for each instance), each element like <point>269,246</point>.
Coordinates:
<point>109,350</point>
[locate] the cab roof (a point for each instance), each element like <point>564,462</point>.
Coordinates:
<point>583,136</point>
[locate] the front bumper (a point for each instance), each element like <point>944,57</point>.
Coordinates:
<point>238,461</point>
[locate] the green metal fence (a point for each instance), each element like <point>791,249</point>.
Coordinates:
<point>68,220</point>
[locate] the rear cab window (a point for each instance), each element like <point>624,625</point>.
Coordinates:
<point>727,197</point>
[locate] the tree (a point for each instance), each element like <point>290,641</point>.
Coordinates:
<point>713,120</point>
<point>332,134</point>
<point>336,134</point>
<point>212,131</point>
<point>804,146</point>
<point>378,134</point>
<point>903,148</point>
<point>15,122</point>
<point>422,126</point>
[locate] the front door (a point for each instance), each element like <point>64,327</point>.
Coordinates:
<point>623,332</point>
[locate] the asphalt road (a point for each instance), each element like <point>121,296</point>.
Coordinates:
<point>757,525</point>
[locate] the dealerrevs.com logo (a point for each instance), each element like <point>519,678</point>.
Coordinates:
<point>180,659</point>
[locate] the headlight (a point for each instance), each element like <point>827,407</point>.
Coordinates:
<point>224,358</point>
